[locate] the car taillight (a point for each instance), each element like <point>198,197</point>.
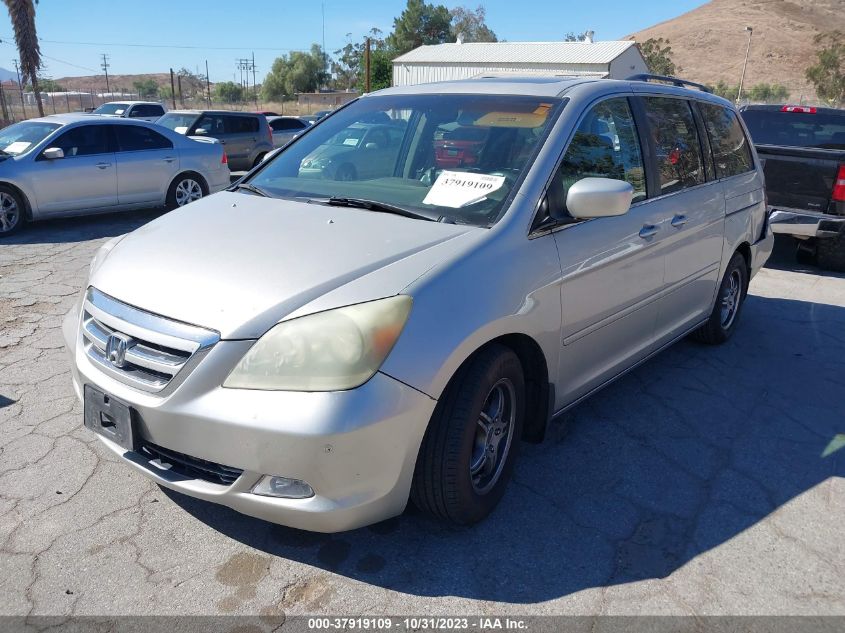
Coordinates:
<point>225,159</point>
<point>802,109</point>
<point>270,134</point>
<point>839,185</point>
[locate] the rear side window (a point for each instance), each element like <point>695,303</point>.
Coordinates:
<point>676,143</point>
<point>284,125</point>
<point>606,145</point>
<point>731,150</point>
<point>822,130</point>
<point>213,124</point>
<point>133,138</point>
<point>241,124</point>
<point>84,140</point>
<point>147,110</point>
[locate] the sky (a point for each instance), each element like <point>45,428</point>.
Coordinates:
<point>186,33</point>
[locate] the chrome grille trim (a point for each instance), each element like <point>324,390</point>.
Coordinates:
<point>161,352</point>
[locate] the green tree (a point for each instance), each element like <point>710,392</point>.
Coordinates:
<point>146,88</point>
<point>571,37</point>
<point>349,64</point>
<point>297,72</point>
<point>472,25</point>
<point>724,90</point>
<point>828,74</point>
<point>658,56</point>
<point>192,83</point>
<point>22,13</point>
<point>767,93</point>
<point>420,24</point>
<point>228,92</point>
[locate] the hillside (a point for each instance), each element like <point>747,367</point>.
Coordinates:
<point>709,42</point>
<point>117,83</point>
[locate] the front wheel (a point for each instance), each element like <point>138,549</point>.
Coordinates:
<point>12,216</point>
<point>722,322</point>
<point>184,189</point>
<point>470,446</point>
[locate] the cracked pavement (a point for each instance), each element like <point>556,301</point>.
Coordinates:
<point>706,482</point>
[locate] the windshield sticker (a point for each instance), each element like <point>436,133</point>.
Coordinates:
<point>119,111</point>
<point>17,147</point>
<point>351,141</point>
<point>180,129</point>
<point>456,189</point>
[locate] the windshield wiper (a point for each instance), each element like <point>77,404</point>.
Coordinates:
<point>252,189</point>
<point>372,205</point>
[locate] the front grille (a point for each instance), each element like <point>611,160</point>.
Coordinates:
<point>141,349</point>
<point>191,467</point>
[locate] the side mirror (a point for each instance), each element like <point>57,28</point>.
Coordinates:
<point>599,198</point>
<point>201,131</point>
<point>52,153</point>
<point>371,146</point>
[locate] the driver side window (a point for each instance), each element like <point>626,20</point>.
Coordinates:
<point>606,145</point>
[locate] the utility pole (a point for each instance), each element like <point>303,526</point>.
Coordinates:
<point>745,65</point>
<point>172,89</point>
<point>254,89</point>
<point>6,118</point>
<point>179,83</point>
<point>207,83</point>
<point>20,85</point>
<point>367,67</point>
<point>105,66</point>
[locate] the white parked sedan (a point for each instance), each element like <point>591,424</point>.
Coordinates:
<point>286,128</point>
<point>78,164</point>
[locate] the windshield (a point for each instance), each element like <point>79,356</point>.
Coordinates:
<point>112,108</point>
<point>796,129</point>
<point>20,137</point>
<point>455,158</point>
<point>179,122</point>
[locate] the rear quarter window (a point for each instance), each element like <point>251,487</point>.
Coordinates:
<point>731,149</point>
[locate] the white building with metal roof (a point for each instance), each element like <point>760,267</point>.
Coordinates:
<point>444,62</point>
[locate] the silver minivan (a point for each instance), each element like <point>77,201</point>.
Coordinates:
<point>316,350</point>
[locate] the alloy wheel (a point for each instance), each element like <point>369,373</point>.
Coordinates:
<point>730,299</point>
<point>10,214</point>
<point>187,191</point>
<point>493,436</point>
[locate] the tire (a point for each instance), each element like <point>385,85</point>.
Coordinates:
<point>12,211</point>
<point>805,252</point>
<point>830,253</point>
<point>258,159</point>
<point>728,307</point>
<point>346,172</point>
<point>184,189</point>
<point>457,477</point>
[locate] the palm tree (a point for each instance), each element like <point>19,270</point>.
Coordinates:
<point>22,13</point>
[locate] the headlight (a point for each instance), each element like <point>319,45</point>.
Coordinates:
<point>328,351</point>
<point>102,253</point>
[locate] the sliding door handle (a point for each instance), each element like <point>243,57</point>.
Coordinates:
<point>649,230</point>
<point>679,220</point>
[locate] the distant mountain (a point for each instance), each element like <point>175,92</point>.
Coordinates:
<point>709,42</point>
<point>117,83</point>
<point>6,75</point>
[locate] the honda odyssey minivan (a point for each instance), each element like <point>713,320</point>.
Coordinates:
<point>317,347</point>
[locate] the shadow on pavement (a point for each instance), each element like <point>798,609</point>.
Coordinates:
<point>82,228</point>
<point>784,258</point>
<point>671,461</point>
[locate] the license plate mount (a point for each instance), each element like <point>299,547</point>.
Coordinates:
<point>109,417</point>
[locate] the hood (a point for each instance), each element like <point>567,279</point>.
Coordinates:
<point>238,263</point>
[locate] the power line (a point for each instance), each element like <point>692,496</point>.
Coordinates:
<point>183,46</point>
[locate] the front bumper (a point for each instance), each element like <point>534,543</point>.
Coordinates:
<point>805,224</point>
<point>356,448</point>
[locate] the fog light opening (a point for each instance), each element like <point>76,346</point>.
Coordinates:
<point>284,487</point>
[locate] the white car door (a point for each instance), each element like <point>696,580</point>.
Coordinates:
<point>146,164</point>
<point>85,178</point>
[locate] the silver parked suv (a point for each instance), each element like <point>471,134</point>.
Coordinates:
<point>315,348</point>
<point>246,135</point>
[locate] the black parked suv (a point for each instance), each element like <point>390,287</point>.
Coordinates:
<point>246,135</point>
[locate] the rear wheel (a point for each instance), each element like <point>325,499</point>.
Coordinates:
<point>722,322</point>
<point>830,252</point>
<point>258,159</point>
<point>12,211</point>
<point>470,446</point>
<point>184,189</point>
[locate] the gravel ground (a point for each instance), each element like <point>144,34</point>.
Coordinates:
<point>708,481</point>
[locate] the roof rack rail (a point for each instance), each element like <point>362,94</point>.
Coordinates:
<point>666,79</point>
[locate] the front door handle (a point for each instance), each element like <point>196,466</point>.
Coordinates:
<point>169,159</point>
<point>679,220</point>
<point>649,230</point>
<point>103,165</point>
